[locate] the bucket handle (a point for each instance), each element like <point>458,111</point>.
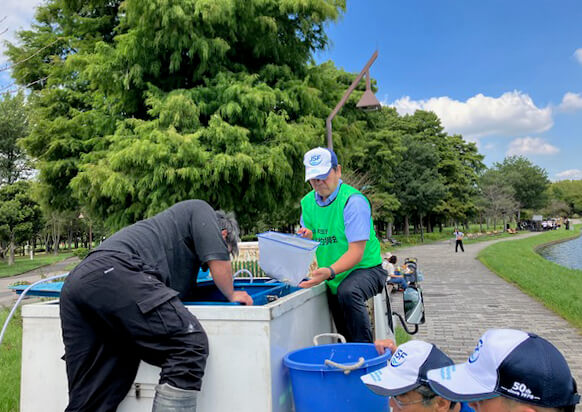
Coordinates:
<point>328,335</point>
<point>346,368</point>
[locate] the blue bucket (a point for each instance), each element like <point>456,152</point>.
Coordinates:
<point>320,387</point>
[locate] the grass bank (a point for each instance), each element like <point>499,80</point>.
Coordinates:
<point>10,355</point>
<point>23,264</point>
<point>557,287</point>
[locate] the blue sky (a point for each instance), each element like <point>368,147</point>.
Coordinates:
<point>505,74</point>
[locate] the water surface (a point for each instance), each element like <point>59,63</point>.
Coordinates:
<point>567,254</point>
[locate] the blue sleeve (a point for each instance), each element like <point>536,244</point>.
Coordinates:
<point>357,215</point>
<point>301,222</point>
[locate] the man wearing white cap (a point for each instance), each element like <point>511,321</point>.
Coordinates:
<point>405,381</point>
<point>340,218</point>
<point>510,371</point>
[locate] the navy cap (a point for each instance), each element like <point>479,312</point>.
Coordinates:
<point>511,363</point>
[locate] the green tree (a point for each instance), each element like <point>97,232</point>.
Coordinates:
<point>570,192</point>
<point>20,216</point>
<point>373,157</point>
<point>14,164</point>
<point>459,165</point>
<point>528,180</point>
<point>496,197</point>
<point>418,185</point>
<point>149,103</point>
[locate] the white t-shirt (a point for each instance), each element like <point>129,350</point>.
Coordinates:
<point>389,267</point>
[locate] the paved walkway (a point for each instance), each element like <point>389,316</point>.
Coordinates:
<point>8,297</point>
<point>463,299</point>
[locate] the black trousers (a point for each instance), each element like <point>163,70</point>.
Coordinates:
<point>348,307</point>
<point>115,312</point>
<point>458,243</point>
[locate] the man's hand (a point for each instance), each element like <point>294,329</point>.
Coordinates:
<point>242,297</point>
<point>382,344</point>
<point>304,232</point>
<point>317,276</point>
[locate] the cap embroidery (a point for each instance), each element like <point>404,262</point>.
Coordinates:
<point>398,358</point>
<point>473,358</point>
<point>315,160</point>
<point>521,390</point>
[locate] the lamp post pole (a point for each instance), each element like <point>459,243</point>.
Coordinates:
<point>365,71</point>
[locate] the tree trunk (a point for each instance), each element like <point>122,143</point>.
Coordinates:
<point>406,229</point>
<point>389,229</point>
<point>480,222</point>
<point>90,236</point>
<point>11,250</point>
<point>421,231</point>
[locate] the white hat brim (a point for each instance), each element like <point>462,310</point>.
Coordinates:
<point>386,382</point>
<point>456,383</point>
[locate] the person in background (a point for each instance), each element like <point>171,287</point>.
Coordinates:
<point>395,277</point>
<point>340,218</point>
<point>122,304</point>
<point>510,371</point>
<point>458,240</point>
<point>405,381</point>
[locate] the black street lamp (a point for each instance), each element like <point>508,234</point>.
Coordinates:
<point>368,102</point>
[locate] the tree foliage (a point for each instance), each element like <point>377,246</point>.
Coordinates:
<point>148,103</point>
<point>569,192</point>
<point>528,180</point>
<point>20,215</point>
<point>14,163</point>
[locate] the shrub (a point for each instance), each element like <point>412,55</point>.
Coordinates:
<point>81,252</point>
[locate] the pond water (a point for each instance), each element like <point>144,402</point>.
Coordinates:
<point>567,254</point>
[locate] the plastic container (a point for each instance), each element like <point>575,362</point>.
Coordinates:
<point>286,257</point>
<point>319,387</point>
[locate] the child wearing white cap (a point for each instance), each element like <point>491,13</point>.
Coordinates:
<point>404,380</point>
<point>510,371</point>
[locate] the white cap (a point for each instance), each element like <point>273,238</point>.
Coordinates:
<point>407,368</point>
<point>318,163</point>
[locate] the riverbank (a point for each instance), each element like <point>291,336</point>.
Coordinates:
<point>559,288</point>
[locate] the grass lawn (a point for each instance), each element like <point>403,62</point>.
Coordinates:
<point>10,352</point>
<point>23,264</point>
<point>557,287</point>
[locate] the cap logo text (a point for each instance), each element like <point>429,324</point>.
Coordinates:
<point>473,358</point>
<point>398,358</point>
<point>521,390</point>
<point>315,160</point>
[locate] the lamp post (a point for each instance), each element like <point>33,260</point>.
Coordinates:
<point>368,102</point>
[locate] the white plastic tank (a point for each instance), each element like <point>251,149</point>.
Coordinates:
<point>244,372</point>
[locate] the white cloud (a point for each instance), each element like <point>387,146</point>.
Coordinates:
<point>19,15</point>
<point>571,174</point>
<point>531,145</point>
<point>578,55</point>
<point>489,146</point>
<point>571,102</point>
<point>513,113</point>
